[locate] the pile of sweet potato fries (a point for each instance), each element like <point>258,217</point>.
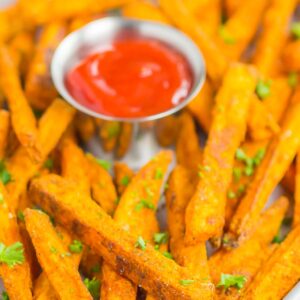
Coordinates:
<point>71,228</point>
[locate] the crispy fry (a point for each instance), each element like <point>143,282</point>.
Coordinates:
<point>184,19</point>
<point>279,273</point>
<point>56,262</point>
<point>4,130</point>
<point>296,216</point>
<point>139,220</point>
<point>274,35</point>
<point>125,139</point>
<point>22,117</point>
<point>149,269</point>
<point>188,151</point>
<point>123,176</point>
<point>291,60</point>
<point>109,132</point>
<point>103,189</point>
<point>51,127</point>
<point>279,156</point>
<point>288,180</point>
<point>236,34</point>
<point>85,126</point>
<point>202,105</point>
<point>39,88</point>
<point>166,130</point>
<point>17,278</point>
<point>144,11</point>
<point>205,214</point>
<point>232,6</point>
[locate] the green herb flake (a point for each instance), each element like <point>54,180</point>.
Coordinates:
<point>241,190</point>
<point>167,255</point>
<point>117,201</point>
<point>158,174</point>
<point>277,239</point>
<point>156,247</point>
<point>144,204</point>
<point>186,282</point>
<point>248,171</point>
<point>76,247</point>
<point>228,280</point>
<point>93,287</point>
<point>161,238</point>
<point>237,174</point>
<point>114,129</point>
<point>95,268</point>
<point>5,296</point>
<point>106,165</point>
<point>240,155</point>
<point>140,243</point>
<point>226,36</point>
<point>125,180</point>
<point>293,79</point>
<point>231,195</point>
<point>259,156</point>
<point>49,164</point>
<point>12,255</point>
<point>263,89</point>
<point>53,250</point>
<point>20,216</point>
<point>295,30</point>
<point>5,176</point>
<point>1,198</point>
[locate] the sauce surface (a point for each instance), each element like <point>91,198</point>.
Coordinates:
<point>131,78</point>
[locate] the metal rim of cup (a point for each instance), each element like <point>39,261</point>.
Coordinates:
<point>75,46</point>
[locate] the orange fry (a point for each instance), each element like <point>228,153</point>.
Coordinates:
<point>205,214</point>
<point>4,130</point>
<point>123,176</point>
<point>290,56</point>
<point>279,156</point>
<point>296,216</point>
<point>85,127</point>
<point>145,267</point>
<point>166,130</point>
<point>125,139</point>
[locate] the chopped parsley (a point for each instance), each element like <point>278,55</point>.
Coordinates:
<point>95,268</point>
<point>117,201</point>
<point>228,280</point>
<point>160,238</point>
<point>53,250</point>
<point>12,255</point>
<point>1,198</point>
<point>263,89</point>
<point>167,254</point>
<point>237,174</point>
<point>49,164</point>
<point>5,176</point>
<point>93,287</point>
<point>125,180</point>
<point>76,247</point>
<point>20,216</point>
<point>106,165</point>
<point>231,195</point>
<point>240,155</point>
<point>277,239</point>
<point>158,174</point>
<point>295,30</point>
<point>293,79</point>
<point>144,204</point>
<point>186,282</point>
<point>140,243</point>
<point>114,129</point>
<point>5,296</point>
<point>226,36</point>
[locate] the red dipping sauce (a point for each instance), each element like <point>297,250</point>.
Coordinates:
<point>131,78</point>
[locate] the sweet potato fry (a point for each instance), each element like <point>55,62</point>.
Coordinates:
<point>166,130</point>
<point>184,19</point>
<point>144,11</point>
<point>205,214</point>
<point>279,156</point>
<point>51,127</point>
<point>236,34</point>
<point>136,214</point>
<point>103,189</point>
<point>123,176</point>
<point>22,117</point>
<point>279,273</point>
<point>296,216</point>
<point>125,139</point>
<point>147,268</point>
<point>4,130</point>
<point>232,6</point>
<point>202,105</point>
<point>109,132</point>
<point>85,126</point>
<point>274,35</point>
<point>39,88</point>
<point>55,261</point>
<point>247,258</point>
<point>288,180</point>
<point>291,60</point>
<point>188,151</point>
<point>16,278</point>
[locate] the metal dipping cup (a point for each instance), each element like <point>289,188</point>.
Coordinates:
<point>85,41</point>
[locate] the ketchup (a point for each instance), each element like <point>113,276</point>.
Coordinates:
<point>131,78</point>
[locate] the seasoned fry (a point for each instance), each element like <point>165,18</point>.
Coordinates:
<point>147,268</point>
<point>296,216</point>
<point>184,19</point>
<point>279,156</point>
<point>4,130</point>
<point>232,6</point>
<point>39,88</point>
<point>56,262</point>
<point>123,176</point>
<point>144,11</point>
<point>103,189</point>
<point>85,126</point>
<point>16,278</point>
<point>188,151</point>
<point>166,130</point>
<point>136,213</point>
<point>51,127</point>
<point>205,214</point>
<point>125,139</point>
<point>279,273</point>
<point>109,132</point>
<point>22,117</point>
<point>288,180</point>
<point>274,35</point>
<point>202,105</point>
<point>291,60</point>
